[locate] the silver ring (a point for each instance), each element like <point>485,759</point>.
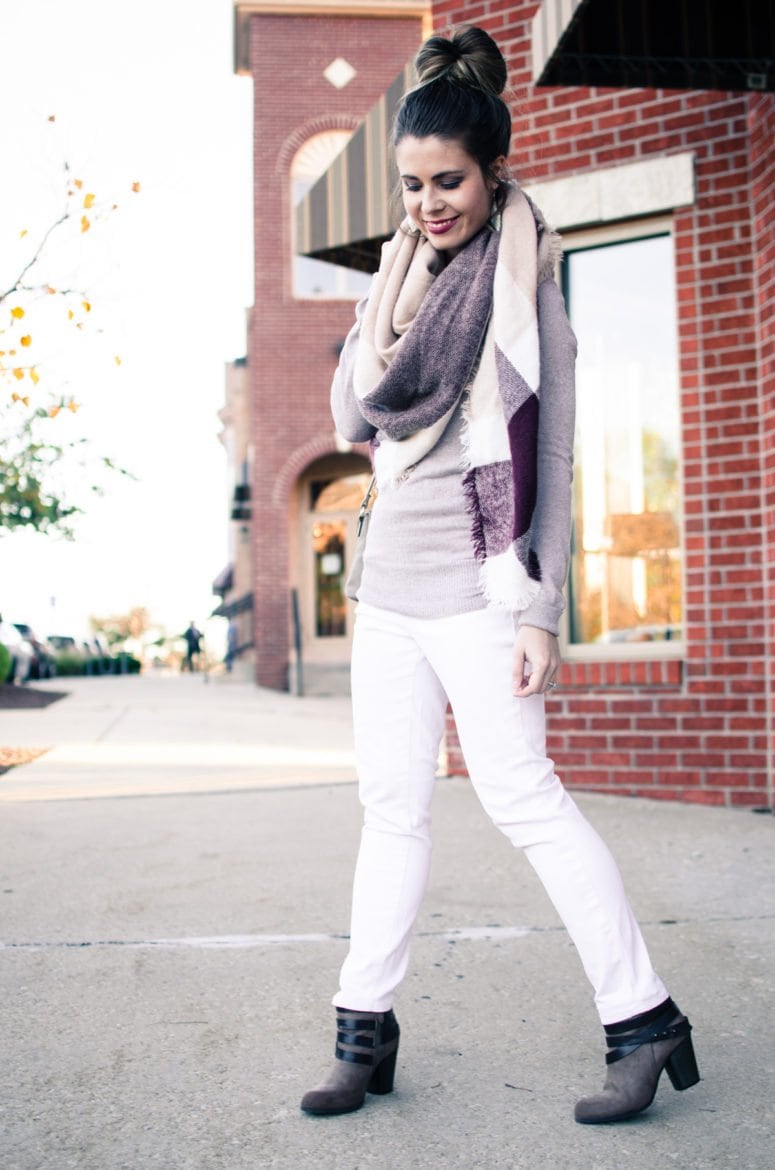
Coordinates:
<point>550,686</point>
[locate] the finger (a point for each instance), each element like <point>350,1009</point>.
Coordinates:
<point>518,677</point>
<point>531,684</point>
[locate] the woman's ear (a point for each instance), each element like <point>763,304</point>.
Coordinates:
<point>496,171</point>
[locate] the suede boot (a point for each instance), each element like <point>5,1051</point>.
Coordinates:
<point>366,1052</point>
<point>640,1048</point>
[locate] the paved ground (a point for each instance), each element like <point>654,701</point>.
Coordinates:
<point>174,881</point>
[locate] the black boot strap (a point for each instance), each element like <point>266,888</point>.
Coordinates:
<point>359,1034</point>
<point>354,1057</point>
<point>627,1044</point>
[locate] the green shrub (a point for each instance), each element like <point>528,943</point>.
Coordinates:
<point>125,663</point>
<point>69,663</point>
<point>5,663</point>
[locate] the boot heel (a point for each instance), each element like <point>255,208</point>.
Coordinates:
<point>384,1074</point>
<point>682,1066</point>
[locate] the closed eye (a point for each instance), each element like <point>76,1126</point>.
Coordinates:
<point>447,182</point>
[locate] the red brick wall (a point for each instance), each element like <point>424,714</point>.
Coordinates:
<point>699,729</point>
<point>291,347</point>
<point>761,115</point>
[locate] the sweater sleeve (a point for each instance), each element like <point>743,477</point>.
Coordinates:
<point>348,419</point>
<point>550,529</point>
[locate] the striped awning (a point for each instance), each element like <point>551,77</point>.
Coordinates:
<point>230,609</point>
<point>346,216</point>
<point>673,44</point>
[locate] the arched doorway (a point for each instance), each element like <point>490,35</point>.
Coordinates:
<point>329,494</point>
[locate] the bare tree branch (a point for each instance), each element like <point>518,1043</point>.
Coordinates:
<point>17,284</point>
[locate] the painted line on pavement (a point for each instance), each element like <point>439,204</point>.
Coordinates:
<point>251,941</point>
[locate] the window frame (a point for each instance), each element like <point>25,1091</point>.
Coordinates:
<point>582,239</point>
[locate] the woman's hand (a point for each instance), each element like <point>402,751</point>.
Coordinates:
<point>536,661</point>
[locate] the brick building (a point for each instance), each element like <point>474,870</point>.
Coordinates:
<point>664,199</point>
<point>318,66</point>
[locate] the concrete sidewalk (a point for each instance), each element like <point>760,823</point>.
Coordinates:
<point>165,733</point>
<point>168,948</point>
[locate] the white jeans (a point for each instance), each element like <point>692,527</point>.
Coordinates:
<point>403,672</point>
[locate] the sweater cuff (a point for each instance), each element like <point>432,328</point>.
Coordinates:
<point>541,614</point>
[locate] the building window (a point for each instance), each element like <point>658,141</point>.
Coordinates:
<point>331,533</point>
<point>318,278</point>
<point>626,570</point>
<point>328,538</point>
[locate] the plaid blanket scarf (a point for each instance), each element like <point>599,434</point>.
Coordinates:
<point>433,333</point>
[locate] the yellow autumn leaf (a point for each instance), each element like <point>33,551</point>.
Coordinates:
<point>117,360</point>
<point>27,339</point>
<point>17,312</point>
<point>18,374</point>
<point>85,223</point>
<point>54,411</point>
<point>86,306</point>
<point>88,200</point>
<point>15,397</point>
<point>26,399</point>
<point>70,314</point>
<point>50,290</point>
<point>35,376</point>
<point>135,187</point>
<point>72,405</point>
<point>78,183</point>
<point>22,233</point>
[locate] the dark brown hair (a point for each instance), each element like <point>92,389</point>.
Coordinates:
<point>458,98</point>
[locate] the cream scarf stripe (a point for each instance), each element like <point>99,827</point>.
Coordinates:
<point>514,334</point>
<point>513,330</point>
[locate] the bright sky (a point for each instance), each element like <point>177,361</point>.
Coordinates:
<point>142,91</point>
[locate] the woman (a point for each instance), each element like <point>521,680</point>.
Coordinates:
<point>459,371</point>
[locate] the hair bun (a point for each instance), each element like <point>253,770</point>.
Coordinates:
<point>469,57</point>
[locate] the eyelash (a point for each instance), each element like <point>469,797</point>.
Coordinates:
<point>448,186</point>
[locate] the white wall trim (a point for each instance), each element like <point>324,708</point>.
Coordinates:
<point>614,193</point>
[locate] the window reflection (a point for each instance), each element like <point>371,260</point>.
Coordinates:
<point>330,603</point>
<point>625,581</point>
<point>338,495</point>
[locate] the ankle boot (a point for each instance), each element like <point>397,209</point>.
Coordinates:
<point>640,1048</point>
<point>366,1051</point>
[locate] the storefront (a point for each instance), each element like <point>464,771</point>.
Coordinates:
<point>663,197</point>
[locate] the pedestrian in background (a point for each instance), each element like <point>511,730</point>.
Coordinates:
<point>193,639</point>
<point>232,638</point>
<point>460,372</point>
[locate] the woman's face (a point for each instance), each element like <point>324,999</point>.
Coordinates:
<point>444,190</point>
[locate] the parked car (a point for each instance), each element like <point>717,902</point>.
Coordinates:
<point>642,634</point>
<point>44,656</point>
<point>89,655</point>
<point>63,643</point>
<point>21,652</point>
<point>98,656</point>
